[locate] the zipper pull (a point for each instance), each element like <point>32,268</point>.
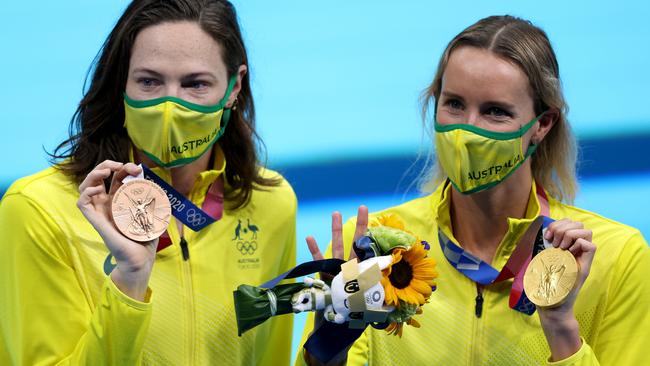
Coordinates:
<point>185,249</point>
<point>478,309</point>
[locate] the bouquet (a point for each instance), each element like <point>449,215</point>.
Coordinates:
<point>385,286</point>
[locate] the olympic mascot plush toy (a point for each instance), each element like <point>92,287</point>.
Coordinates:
<point>385,286</point>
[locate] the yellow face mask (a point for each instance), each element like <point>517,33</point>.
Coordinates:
<point>172,131</point>
<point>475,159</point>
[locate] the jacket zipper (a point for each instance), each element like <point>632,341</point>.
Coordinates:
<point>189,292</point>
<point>185,249</point>
<point>478,307</point>
<point>476,356</point>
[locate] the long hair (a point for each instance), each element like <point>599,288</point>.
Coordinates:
<point>519,41</point>
<point>97,128</point>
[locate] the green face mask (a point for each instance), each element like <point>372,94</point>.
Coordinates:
<point>476,159</point>
<point>172,131</point>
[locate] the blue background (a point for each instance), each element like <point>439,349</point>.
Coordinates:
<point>337,83</point>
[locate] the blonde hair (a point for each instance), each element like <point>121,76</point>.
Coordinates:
<point>520,42</point>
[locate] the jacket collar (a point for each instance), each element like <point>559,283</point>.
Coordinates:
<point>516,226</point>
<point>203,180</point>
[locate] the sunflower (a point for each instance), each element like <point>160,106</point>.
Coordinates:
<point>409,277</point>
<point>390,220</point>
<point>397,323</point>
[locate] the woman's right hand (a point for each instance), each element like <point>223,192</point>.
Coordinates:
<point>337,235</point>
<point>134,259</point>
<point>337,252</point>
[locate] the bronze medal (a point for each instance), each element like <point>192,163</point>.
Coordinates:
<point>141,210</point>
<point>550,277</point>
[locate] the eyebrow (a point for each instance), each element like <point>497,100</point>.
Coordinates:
<point>451,95</point>
<point>196,75</point>
<point>192,76</point>
<point>148,71</point>
<point>500,104</point>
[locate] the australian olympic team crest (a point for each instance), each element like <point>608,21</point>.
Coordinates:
<point>245,236</point>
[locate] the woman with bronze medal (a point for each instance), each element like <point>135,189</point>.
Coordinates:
<point>524,277</point>
<point>127,249</point>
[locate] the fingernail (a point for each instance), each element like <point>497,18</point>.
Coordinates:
<point>547,235</point>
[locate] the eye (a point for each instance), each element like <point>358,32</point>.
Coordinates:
<point>454,104</point>
<point>497,112</point>
<point>196,85</point>
<point>148,83</point>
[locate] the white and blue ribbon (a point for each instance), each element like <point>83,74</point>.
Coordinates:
<point>466,263</point>
<point>484,274</point>
<point>182,208</point>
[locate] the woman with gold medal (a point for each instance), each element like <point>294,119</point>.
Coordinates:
<point>500,194</point>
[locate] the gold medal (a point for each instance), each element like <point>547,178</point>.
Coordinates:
<point>550,277</point>
<point>141,210</point>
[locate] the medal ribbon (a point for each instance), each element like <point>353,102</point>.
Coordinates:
<point>330,266</point>
<point>484,274</point>
<point>183,209</point>
<point>187,212</point>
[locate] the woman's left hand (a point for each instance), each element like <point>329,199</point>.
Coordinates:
<point>559,323</point>
<point>572,236</point>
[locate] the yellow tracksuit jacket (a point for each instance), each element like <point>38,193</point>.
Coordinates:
<point>612,308</point>
<point>57,306</point>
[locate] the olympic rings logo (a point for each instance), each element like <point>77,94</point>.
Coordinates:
<point>194,218</point>
<point>527,306</point>
<point>246,247</point>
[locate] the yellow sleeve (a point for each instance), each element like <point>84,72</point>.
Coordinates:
<point>584,357</point>
<point>358,354</point>
<point>624,335</point>
<point>45,317</point>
